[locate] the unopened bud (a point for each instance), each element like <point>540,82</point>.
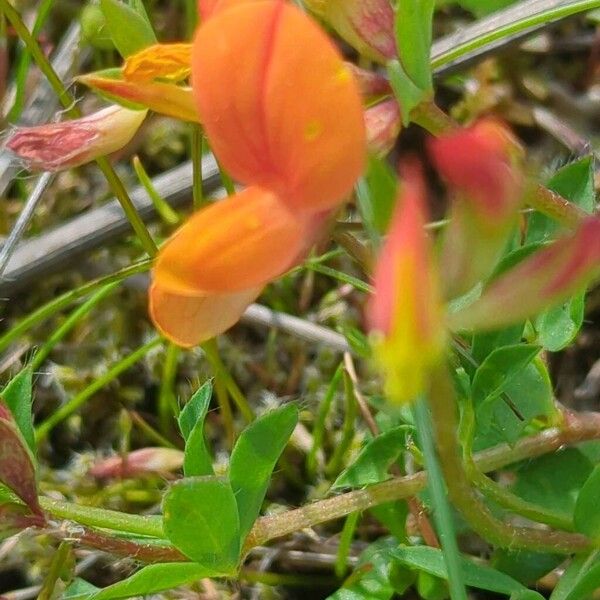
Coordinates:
<point>67,144</point>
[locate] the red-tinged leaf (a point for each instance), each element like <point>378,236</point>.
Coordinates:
<point>277,116</point>
<point>17,470</point>
<point>367,25</point>
<point>16,517</point>
<point>383,123</point>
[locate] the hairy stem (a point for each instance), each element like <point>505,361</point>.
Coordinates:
<point>465,498</point>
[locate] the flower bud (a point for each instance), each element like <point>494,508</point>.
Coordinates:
<point>367,25</point>
<point>383,123</point>
<point>138,462</point>
<point>164,98</point>
<point>480,166</point>
<point>542,280</point>
<point>67,144</point>
<point>406,312</point>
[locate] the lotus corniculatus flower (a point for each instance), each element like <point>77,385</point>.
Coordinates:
<point>367,25</point>
<point>57,146</point>
<point>406,313</point>
<point>481,166</point>
<point>286,123</point>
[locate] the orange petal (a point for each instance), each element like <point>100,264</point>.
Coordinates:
<point>207,8</point>
<point>190,320</point>
<point>165,61</point>
<point>276,115</point>
<point>234,244</point>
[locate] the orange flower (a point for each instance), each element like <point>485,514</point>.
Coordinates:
<point>285,121</point>
<point>278,104</point>
<point>406,312</point>
<point>165,61</point>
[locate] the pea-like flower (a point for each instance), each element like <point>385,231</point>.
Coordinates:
<point>287,124</point>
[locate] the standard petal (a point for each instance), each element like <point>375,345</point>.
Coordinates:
<point>190,320</point>
<point>241,242</point>
<point>276,115</point>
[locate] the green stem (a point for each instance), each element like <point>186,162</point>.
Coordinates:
<point>496,492</point>
<point>106,519</point>
<point>71,108</point>
<point>56,566</point>
<point>198,145</point>
<point>220,370</point>
<point>348,428</point>
<point>68,298</point>
<point>82,397</point>
<point>167,402</point>
<point>463,496</point>
<point>163,208</point>
<point>441,512</point>
<point>70,322</point>
<point>514,27</point>
<point>150,432</point>
<point>318,432</point>
<point>345,545</point>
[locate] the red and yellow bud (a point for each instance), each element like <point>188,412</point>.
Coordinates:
<point>541,281</point>
<point>67,144</point>
<point>480,165</point>
<point>367,25</point>
<point>164,98</point>
<point>172,62</point>
<point>383,123</point>
<point>406,313</point>
<point>277,116</point>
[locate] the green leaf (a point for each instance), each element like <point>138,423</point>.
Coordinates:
<point>494,375</point>
<point>554,481</point>
<point>195,409</point>
<point>587,516</point>
<point>374,460</point>
<point>197,459</point>
<point>430,587</point>
<point>413,39</point>
<point>253,459</point>
<point>559,326</point>
<point>526,567</point>
<point>79,589</point>
<point>407,93</point>
<point>580,580</point>
<point>393,516</point>
<point>431,560</point>
<point>18,396</point>
<point>130,31</point>
<point>154,578</point>
<point>376,192</point>
<point>201,519</point>
<point>575,182</point>
<point>373,582</point>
